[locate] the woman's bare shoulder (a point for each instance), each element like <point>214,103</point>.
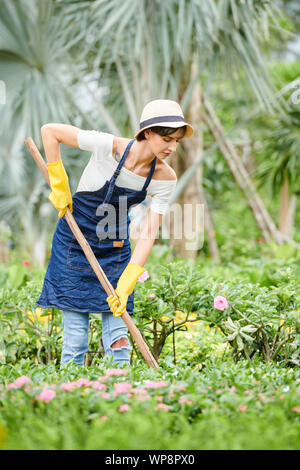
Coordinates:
<point>119,145</point>
<point>164,172</point>
<point>115,144</point>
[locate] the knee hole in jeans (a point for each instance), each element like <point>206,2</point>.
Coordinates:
<point>120,343</point>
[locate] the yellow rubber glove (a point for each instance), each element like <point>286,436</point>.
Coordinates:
<point>124,288</point>
<point>60,196</point>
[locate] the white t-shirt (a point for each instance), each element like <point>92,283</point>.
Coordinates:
<point>102,165</point>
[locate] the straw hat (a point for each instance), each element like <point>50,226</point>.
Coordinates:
<point>163,113</point>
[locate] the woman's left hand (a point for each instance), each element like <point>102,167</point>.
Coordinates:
<point>125,286</point>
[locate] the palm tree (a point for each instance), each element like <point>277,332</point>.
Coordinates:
<point>148,50</point>
<point>122,54</point>
<point>280,168</point>
<point>34,64</point>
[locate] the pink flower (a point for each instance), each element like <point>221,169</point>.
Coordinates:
<point>218,392</point>
<point>142,397</point>
<point>141,394</point>
<point>111,372</point>
<point>105,395</point>
<point>220,303</point>
<point>124,407</point>
<point>139,391</point>
<point>296,409</point>
<point>19,382</point>
<point>102,378</point>
<point>122,387</point>
<point>143,277</point>
<point>98,386</point>
<point>156,384</point>
<point>10,386</point>
<point>152,296</point>
<point>162,406</point>
<point>282,397</point>
<point>25,262</point>
<point>242,407</point>
<point>261,396</point>
<point>159,398</point>
<point>185,400</point>
<point>83,381</point>
<point>247,392</point>
<point>104,418</point>
<point>233,389</point>
<point>67,387</point>
<point>46,395</point>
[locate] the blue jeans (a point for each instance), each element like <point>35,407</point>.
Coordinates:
<point>75,337</point>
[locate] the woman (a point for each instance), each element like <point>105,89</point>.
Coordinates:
<point>126,171</point>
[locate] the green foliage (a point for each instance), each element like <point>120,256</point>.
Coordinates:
<point>281,150</point>
<point>177,302</point>
<point>262,316</point>
<point>225,378</point>
<point>227,405</point>
<point>28,331</point>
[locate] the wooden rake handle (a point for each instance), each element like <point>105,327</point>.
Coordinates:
<point>93,260</point>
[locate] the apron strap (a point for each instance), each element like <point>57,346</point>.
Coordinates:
<point>124,157</point>
<point>116,174</point>
<point>150,174</point>
<point>118,170</point>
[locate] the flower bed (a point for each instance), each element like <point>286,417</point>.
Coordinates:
<point>227,405</point>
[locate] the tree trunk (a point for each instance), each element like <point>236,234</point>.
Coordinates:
<point>291,215</point>
<point>194,148</point>
<point>242,178</point>
<point>39,252</point>
<point>195,214</point>
<point>4,252</point>
<point>285,209</point>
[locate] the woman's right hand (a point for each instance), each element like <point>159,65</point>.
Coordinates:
<point>60,196</point>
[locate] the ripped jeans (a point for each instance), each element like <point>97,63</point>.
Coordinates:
<point>75,337</point>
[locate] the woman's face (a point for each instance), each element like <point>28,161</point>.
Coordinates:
<point>163,146</point>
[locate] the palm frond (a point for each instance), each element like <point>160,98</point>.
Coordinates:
<point>281,155</point>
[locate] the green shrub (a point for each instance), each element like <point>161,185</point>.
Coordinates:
<point>261,318</point>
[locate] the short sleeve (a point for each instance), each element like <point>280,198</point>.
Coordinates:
<point>99,143</point>
<point>159,201</point>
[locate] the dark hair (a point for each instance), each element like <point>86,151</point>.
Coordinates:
<point>163,131</point>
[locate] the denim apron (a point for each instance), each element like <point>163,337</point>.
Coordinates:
<point>70,283</point>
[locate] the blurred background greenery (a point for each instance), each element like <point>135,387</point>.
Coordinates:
<point>233,66</point>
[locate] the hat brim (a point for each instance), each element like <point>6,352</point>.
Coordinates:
<point>175,125</point>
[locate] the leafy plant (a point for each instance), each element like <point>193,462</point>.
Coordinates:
<point>259,319</point>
